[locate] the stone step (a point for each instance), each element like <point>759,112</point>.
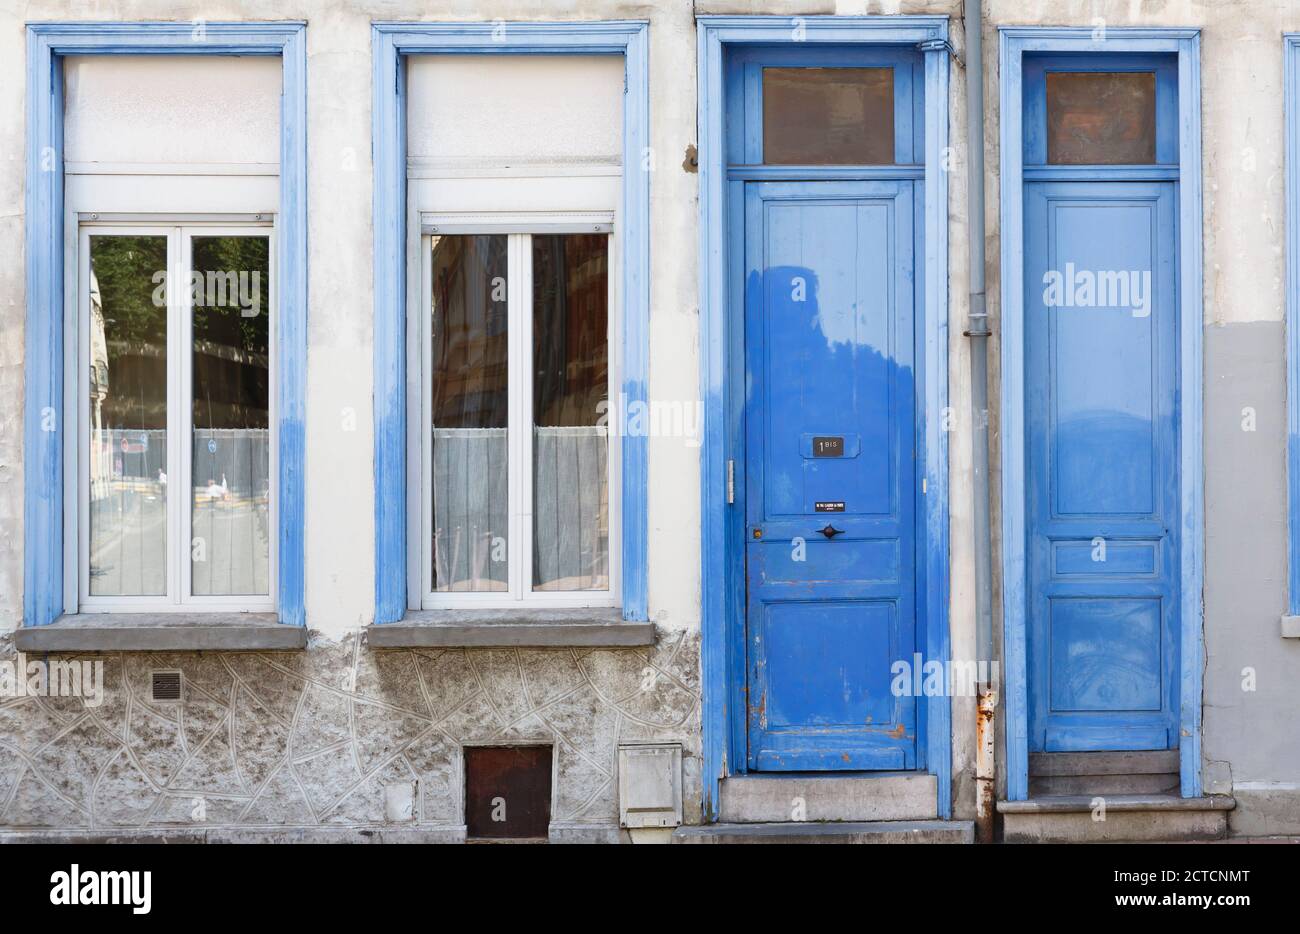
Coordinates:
<point>1146,772</point>
<point>927,831</point>
<point>883,796</point>
<point>1124,818</point>
<point>1156,783</point>
<point>1138,762</point>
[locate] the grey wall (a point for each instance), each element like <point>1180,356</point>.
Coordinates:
<point>1251,730</point>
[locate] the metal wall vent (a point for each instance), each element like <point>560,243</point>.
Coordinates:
<point>166,685</point>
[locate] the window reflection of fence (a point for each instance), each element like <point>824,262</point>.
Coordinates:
<point>570,509</point>
<point>129,483</point>
<point>231,469</point>
<point>128,512</point>
<point>236,458</point>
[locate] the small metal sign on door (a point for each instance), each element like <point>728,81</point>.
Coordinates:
<point>836,505</point>
<point>828,446</point>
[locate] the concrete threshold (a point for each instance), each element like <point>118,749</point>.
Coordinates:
<point>880,796</point>
<point>1115,819</point>
<point>933,831</point>
<point>1065,804</point>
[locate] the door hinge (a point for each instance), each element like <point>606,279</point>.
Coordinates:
<point>731,481</point>
<point>924,485</point>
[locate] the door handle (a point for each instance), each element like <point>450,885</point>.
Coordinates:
<point>830,531</point>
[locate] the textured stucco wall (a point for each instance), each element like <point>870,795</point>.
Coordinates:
<point>71,758</point>
<point>309,741</point>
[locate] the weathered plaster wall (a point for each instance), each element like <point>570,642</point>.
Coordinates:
<point>1249,737</point>
<point>298,742</point>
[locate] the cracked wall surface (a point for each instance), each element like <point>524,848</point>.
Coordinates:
<point>311,739</point>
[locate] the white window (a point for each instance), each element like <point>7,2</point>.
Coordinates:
<point>174,428</point>
<point>169,371</point>
<point>519,478</point>
<point>514,168</point>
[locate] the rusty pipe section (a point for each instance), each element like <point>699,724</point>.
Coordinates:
<point>985,762</point>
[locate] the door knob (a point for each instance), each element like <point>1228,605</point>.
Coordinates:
<point>830,531</point>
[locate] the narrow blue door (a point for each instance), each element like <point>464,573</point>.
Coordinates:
<point>1102,466</point>
<point>830,474</point>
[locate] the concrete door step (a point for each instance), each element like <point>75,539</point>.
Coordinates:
<point>1114,818</point>
<point>881,796</point>
<point>1103,763</point>
<point>921,831</point>
<point>1143,772</point>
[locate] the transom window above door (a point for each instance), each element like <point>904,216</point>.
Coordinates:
<point>825,107</point>
<point>828,116</point>
<point>1101,117</point>
<point>518,466</point>
<point>175,427</point>
<point>1105,110</point>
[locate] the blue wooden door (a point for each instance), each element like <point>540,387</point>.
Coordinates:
<point>830,489</point>
<point>1101,310</point>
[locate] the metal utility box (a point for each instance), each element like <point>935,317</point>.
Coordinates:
<point>650,785</point>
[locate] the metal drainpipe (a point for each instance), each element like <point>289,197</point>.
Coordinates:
<point>978,332</point>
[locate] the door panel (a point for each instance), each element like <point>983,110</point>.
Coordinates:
<point>1102,464</point>
<point>830,443</point>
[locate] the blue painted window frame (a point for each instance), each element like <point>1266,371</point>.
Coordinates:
<point>392,43</point>
<point>1291,92</point>
<point>1016,43</point>
<point>722,594</point>
<point>47,44</point>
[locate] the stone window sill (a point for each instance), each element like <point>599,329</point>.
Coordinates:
<point>161,632</point>
<point>500,628</point>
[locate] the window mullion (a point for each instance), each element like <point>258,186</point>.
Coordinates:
<point>526,421</point>
<point>185,437</point>
<point>178,302</point>
<point>515,419</point>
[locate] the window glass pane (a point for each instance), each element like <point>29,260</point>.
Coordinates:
<point>570,398</point>
<point>1101,118</point>
<point>229,286</point>
<point>128,416</point>
<point>470,395</point>
<point>828,116</point>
